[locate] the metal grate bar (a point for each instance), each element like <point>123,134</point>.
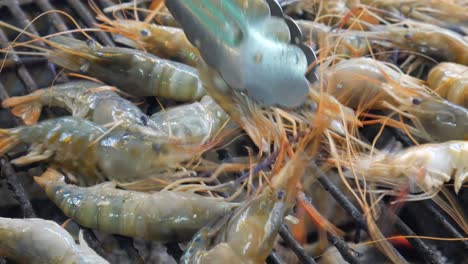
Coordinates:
<point>273,258</point>
<point>106,3</point>
<point>21,17</point>
<point>55,18</point>
<point>23,73</point>
<point>3,93</point>
<point>295,246</point>
<point>418,244</point>
<point>346,252</point>
<point>345,203</point>
<point>9,174</point>
<point>19,2</point>
<point>341,198</point>
<point>29,61</point>
<point>174,250</point>
<point>444,222</point>
<point>90,21</point>
<point>339,243</point>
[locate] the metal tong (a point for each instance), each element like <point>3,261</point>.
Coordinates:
<point>254,46</point>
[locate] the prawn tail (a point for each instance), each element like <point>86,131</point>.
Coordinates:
<point>27,107</point>
<point>50,175</point>
<point>8,140</point>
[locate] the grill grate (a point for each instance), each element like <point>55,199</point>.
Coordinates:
<point>17,11</point>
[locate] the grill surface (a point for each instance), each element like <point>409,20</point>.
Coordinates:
<point>23,199</point>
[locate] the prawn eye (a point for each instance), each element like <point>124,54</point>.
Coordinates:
<point>408,36</point>
<point>92,44</point>
<point>417,101</point>
<point>144,32</point>
<point>144,120</point>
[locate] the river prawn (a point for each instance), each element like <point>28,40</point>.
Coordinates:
<point>450,81</point>
<point>366,82</point>
<point>86,99</point>
<point>444,13</point>
<point>41,241</point>
<point>341,43</point>
<point>428,166</point>
<point>194,123</point>
<point>134,72</point>
<point>248,234</point>
<point>163,216</point>
<point>81,147</point>
<point>429,40</point>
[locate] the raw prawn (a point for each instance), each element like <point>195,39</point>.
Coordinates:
<point>85,99</point>
<point>249,233</point>
<point>82,147</point>
<point>135,72</point>
<point>163,216</point>
<point>194,123</point>
<point>367,82</point>
<point>430,40</point>
<point>197,122</point>
<point>37,240</point>
<point>450,81</point>
<point>427,165</point>
<point>345,42</point>
<point>447,14</point>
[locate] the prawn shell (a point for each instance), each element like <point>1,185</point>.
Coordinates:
<point>162,216</point>
<point>70,139</point>
<point>450,81</point>
<point>41,241</point>
<point>364,81</point>
<point>133,71</point>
